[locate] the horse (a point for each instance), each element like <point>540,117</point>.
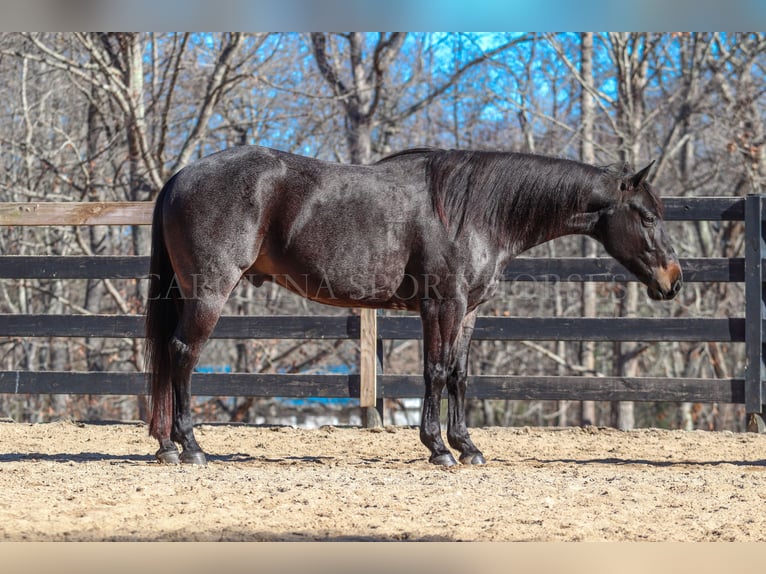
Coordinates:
<point>424,230</point>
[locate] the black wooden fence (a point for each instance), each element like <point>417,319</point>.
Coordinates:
<point>748,328</point>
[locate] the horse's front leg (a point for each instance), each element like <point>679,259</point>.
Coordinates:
<point>441,324</point>
<point>457,431</point>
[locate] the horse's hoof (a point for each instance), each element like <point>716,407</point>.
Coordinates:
<point>167,456</point>
<point>194,457</point>
<point>473,458</point>
<point>445,459</point>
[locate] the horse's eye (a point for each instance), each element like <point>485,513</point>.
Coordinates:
<point>648,220</point>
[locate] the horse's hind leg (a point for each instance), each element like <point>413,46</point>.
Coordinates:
<point>198,318</point>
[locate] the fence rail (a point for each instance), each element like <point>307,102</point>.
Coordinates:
<point>731,330</point>
<point>570,269</point>
<point>519,387</point>
<point>747,329</point>
<point>140,212</point>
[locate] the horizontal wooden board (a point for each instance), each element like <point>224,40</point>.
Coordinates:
<point>401,327</point>
<point>606,269</point>
<point>521,387</point>
<point>203,384</point>
<point>77,213</point>
<point>140,212</point>
<point>704,208</point>
<point>582,329</point>
<point>569,269</point>
<point>389,386</point>
<point>229,327</point>
<point>73,267</point>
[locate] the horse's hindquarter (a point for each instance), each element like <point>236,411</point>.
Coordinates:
<point>213,212</point>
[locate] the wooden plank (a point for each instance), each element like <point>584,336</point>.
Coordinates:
<point>288,327</point>
<point>71,382</point>
<point>579,269</point>
<point>71,325</point>
<point>203,384</point>
<point>74,213</point>
<point>229,327</point>
<point>391,386</point>
<point>755,249</point>
<point>73,267</point>
<point>368,360</point>
<point>347,327</point>
<point>704,208</point>
<point>582,329</point>
<point>140,212</point>
<point>580,388</point>
<point>714,269</point>
<point>570,269</point>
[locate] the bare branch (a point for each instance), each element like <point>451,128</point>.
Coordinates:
<point>453,79</point>
<point>328,71</point>
<point>385,52</point>
<point>213,92</point>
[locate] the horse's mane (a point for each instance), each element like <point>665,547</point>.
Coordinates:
<point>515,197</point>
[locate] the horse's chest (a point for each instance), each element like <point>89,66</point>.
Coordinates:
<point>482,286</point>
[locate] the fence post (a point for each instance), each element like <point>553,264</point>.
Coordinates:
<point>372,415</point>
<point>755,370</point>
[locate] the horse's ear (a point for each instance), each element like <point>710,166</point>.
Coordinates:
<point>638,178</point>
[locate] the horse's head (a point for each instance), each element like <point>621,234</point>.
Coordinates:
<point>631,229</point>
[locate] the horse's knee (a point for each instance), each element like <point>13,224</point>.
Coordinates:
<point>181,354</point>
<point>459,376</point>
<point>437,373</point>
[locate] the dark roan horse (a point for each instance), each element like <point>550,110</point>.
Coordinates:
<point>425,230</point>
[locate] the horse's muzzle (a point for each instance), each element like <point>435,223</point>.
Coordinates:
<point>666,283</point>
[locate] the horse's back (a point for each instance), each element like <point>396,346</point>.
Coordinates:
<point>262,176</point>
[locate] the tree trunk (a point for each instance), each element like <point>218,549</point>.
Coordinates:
<point>631,81</point>
<point>589,247</point>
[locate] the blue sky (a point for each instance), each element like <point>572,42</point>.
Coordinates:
<point>410,15</point>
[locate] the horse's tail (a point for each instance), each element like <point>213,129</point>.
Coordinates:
<point>162,313</point>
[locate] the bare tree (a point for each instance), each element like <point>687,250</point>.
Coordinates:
<point>589,248</point>
<point>101,116</point>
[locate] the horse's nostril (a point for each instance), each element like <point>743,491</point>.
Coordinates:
<point>676,287</point>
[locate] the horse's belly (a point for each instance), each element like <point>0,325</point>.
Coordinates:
<point>337,281</point>
<point>359,288</point>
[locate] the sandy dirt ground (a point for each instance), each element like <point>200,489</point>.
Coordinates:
<point>95,482</point>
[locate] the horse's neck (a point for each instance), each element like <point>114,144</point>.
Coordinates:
<point>581,222</point>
